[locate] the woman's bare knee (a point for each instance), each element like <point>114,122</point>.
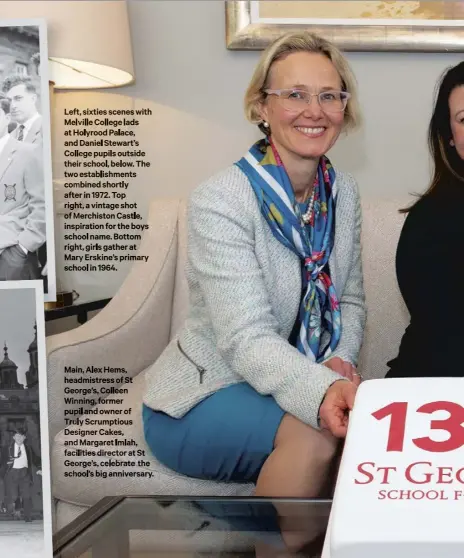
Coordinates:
<point>300,463</point>
<point>320,445</point>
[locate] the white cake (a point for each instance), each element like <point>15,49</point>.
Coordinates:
<point>407,502</point>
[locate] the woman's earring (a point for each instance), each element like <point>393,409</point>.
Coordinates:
<point>266,124</point>
<point>452,143</point>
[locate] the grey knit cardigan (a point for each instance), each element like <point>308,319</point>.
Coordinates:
<point>245,290</point>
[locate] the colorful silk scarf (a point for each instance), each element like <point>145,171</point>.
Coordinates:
<point>313,243</point>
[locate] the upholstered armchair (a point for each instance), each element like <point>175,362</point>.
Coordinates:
<point>133,329</point>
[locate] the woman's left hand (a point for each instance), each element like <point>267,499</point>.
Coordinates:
<point>345,369</point>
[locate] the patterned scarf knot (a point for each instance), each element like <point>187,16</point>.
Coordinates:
<point>319,312</point>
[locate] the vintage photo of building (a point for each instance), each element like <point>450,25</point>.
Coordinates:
<point>25,503</point>
<point>26,189</point>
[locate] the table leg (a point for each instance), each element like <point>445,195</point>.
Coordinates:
<point>82,317</point>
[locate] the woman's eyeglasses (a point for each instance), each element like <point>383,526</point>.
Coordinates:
<point>296,99</point>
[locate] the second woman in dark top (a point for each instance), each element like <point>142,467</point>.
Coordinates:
<point>430,254</point>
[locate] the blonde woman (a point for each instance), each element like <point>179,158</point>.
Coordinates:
<point>257,384</point>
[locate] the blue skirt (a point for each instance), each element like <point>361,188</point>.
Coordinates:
<point>227,437</point>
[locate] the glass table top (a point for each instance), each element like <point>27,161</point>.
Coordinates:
<point>142,527</point>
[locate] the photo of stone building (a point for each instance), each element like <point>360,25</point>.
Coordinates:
<point>25,499</point>
<point>19,409</point>
<point>19,53</point>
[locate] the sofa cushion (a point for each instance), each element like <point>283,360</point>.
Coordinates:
<point>387,316</point>
<point>87,490</point>
<point>66,513</point>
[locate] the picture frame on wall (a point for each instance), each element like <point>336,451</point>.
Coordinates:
<point>408,26</point>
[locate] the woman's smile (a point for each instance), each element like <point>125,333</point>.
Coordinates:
<point>311,132</point>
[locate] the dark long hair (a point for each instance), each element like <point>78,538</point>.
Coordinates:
<point>448,165</point>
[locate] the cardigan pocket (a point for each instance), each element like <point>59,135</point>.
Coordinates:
<point>201,370</point>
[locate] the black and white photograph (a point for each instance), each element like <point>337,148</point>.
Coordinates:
<point>26,188</point>
<point>25,497</point>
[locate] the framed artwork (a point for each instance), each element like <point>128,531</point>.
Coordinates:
<point>357,25</point>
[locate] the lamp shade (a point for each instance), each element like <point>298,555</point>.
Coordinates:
<point>89,44</point>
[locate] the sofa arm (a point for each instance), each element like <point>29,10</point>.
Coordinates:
<point>133,329</point>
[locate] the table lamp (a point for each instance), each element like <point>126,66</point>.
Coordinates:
<point>89,44</point>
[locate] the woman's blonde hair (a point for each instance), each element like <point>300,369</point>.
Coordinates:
<point>300,42</point>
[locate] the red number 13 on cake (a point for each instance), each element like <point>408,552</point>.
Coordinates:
<point>453,425</point>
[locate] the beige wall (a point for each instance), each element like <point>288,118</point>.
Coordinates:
<point>194,87</point>
<point>182,65</point>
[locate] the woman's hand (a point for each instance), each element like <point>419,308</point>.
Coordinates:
<point>338,401</point>
<point>345,369</point>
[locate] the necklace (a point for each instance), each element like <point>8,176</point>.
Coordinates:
<point>306,217</point>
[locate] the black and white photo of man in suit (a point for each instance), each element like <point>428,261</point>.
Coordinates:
<point>26,126</point>
<point>22,204</point>
<point>19,464</point>
<point>23,97</point>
